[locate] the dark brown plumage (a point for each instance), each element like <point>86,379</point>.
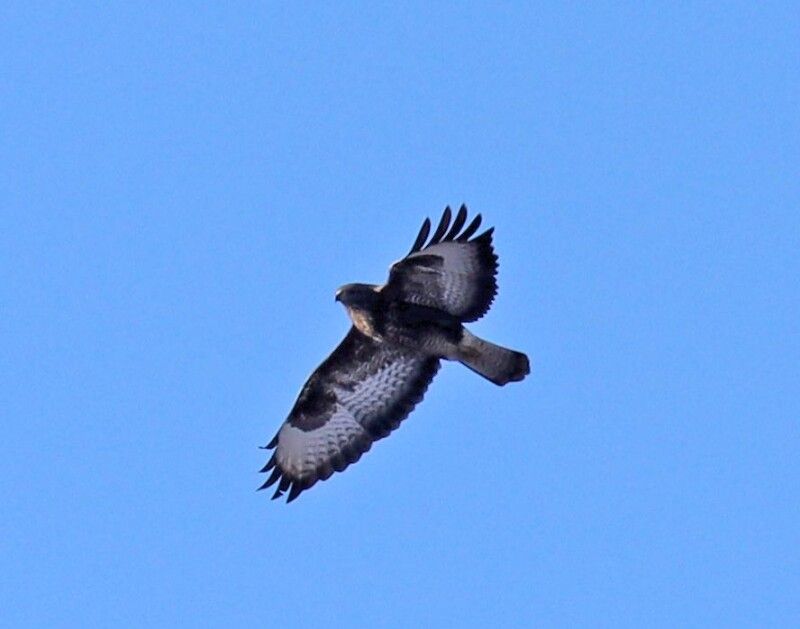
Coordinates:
<point>381,370</point>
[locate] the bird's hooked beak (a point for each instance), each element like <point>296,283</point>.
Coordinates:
<point>355,295</point>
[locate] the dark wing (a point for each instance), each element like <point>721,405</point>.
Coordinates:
<point>452,272</point>
<point>360,394</point>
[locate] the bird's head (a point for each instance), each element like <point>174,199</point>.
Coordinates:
<point>357,295</point>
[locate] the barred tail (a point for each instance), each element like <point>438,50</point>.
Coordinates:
<point>495,363</point>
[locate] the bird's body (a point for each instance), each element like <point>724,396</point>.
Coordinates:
<point>420,328</point>
<point>401,331</point>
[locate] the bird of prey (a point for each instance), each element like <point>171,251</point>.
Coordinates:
<point>380,371</point>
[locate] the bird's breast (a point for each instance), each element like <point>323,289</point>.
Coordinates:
<point>363,321</point>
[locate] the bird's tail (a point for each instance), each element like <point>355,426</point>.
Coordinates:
<point>495,363</point>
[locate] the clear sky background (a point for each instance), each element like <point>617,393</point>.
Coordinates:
<point>183,188</point>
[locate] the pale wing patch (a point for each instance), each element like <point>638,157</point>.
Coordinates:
<point>301,453</point>
<point>457,257</point>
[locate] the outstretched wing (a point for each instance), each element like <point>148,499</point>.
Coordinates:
<point>358,395</point>
<point>450,272</point>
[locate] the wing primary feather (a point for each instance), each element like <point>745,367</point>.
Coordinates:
<point>461,218</point>
<point>284,484</point>
<point>270,464</point>
<point>422,236</point>
<point>278,493</point>
<point>294,492</point>
<point>442,228</point>
<point>272,443</point>
<point>487,235</point>
<point>276,474</point>
<point>471,229</point>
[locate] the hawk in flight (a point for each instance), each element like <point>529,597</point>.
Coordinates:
<point>401,331</point>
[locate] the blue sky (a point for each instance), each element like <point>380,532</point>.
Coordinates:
<point>184,187</point>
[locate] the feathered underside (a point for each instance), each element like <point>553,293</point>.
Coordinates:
<point>366,387</point>
<point>449,272</point>
<point>358,395</point>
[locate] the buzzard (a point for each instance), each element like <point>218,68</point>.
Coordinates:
<point>380,371</point>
